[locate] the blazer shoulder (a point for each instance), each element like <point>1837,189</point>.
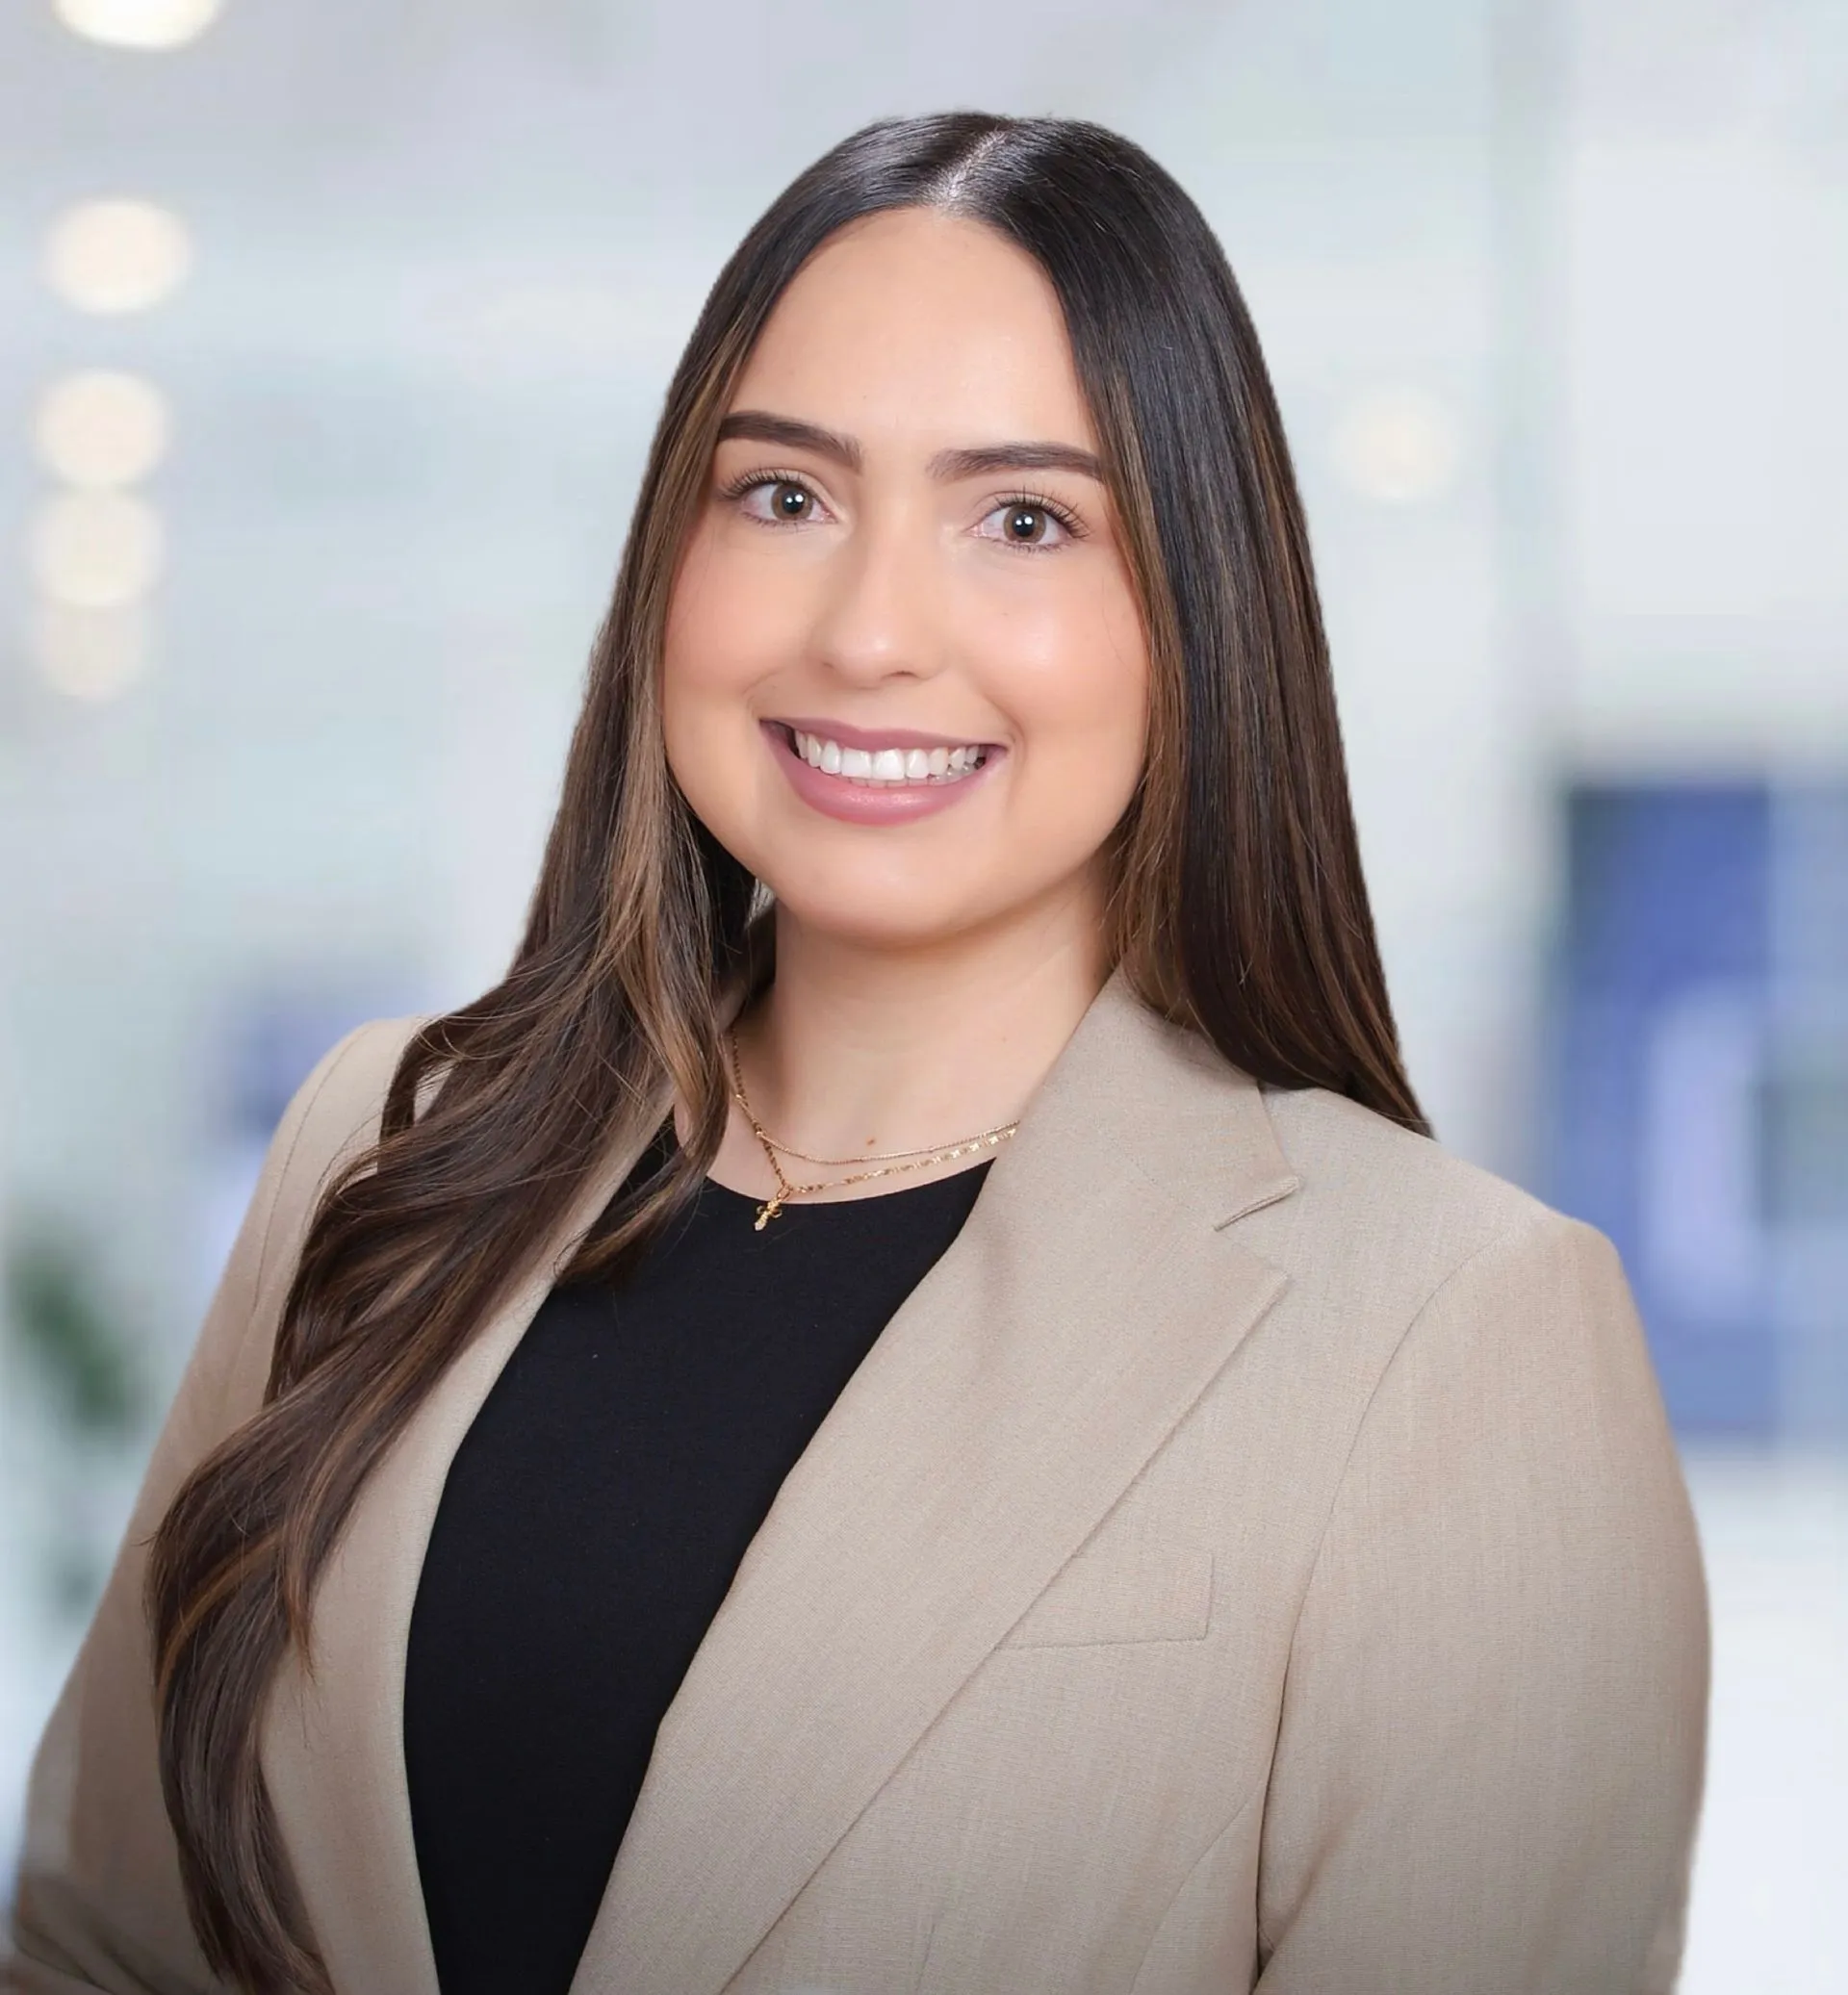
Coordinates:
<point>333,1115</point>
<point>345,1092</point>
<point>1402,1199</point>
<point>1503,1636</point>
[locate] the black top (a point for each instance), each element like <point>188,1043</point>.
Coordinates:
<point>591,1521</point>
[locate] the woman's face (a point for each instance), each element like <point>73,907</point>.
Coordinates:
<point>906,679</point>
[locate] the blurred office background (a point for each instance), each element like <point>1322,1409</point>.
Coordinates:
<point>331,338</point>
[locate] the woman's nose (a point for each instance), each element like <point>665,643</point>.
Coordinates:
<point>877,612</point>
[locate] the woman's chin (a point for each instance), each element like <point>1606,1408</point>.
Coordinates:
<point>874,929</point>
<point>900,916</point>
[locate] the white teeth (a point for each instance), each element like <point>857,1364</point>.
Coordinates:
<point>885,765</point>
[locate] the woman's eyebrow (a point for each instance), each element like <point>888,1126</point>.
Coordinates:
<point>992,457</point>
<point>760,426</point>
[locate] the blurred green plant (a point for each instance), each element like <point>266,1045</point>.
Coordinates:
<point>68,1335</point>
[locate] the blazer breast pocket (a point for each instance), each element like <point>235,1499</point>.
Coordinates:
<point>1147,1592</point>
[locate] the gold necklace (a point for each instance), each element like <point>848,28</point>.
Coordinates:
<point>891,1166</point>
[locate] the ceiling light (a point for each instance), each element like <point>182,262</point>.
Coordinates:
<point>89,653</point>
<point>1399,445</point>
<point>101,427</point>
<point>116,256</point>
<point>138,23</point>
<point>95,549</point>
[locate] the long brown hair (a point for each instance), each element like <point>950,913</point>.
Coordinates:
<point>1239,910</point>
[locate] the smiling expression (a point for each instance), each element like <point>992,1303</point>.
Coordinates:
<point>905,678</point>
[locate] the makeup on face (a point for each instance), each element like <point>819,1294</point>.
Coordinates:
<point>903,599</point>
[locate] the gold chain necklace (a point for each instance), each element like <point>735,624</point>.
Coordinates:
<point>890,1165</point>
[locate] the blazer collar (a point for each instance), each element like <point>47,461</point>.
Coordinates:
<point>1003,1410</point>
<point>1131,1086</point>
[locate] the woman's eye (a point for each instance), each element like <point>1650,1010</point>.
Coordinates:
<point>1023,526</point>
<point>780,501</point>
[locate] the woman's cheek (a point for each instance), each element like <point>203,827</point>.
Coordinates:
<point>711,639</point>
<point>1070,675</point>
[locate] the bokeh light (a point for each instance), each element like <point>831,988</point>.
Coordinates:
<point>1398,445</point>
<point>116,256</point>
<point>101,427</point>
<point>89,654</point>
<point>138,23</point>
<point>95,549</point>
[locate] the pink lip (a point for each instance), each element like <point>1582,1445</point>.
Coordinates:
<point>869,803</point>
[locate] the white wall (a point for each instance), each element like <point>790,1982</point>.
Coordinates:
<point>1708,203</point>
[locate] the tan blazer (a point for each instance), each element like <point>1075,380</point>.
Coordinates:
<point>1254,1558</point>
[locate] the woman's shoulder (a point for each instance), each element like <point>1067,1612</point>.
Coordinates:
<point>338,1105</point>
<point>1405,1213</point>
<point>332,1117</point>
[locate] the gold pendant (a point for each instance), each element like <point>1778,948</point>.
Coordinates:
<point>767,1212</point>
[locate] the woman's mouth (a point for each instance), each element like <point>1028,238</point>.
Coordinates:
<point>877,780</point>
<point>887,765</point>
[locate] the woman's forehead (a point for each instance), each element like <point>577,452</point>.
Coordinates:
<point>924,327</point>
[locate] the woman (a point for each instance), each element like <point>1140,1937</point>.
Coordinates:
<point>907,1403</point>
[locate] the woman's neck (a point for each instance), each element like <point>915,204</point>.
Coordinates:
<point>856,1049</point>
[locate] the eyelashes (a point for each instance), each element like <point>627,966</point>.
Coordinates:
<point>1020,499</point>
<point>756,480</point>
<point>1038,503</point>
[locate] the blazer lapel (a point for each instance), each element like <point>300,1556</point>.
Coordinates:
<point>1089,1300</point>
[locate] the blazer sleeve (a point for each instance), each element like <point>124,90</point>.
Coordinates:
<point>1490,1754</point>
<point>98,1903</point>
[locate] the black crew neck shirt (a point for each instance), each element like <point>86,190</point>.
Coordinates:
<point>591,1524</point>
